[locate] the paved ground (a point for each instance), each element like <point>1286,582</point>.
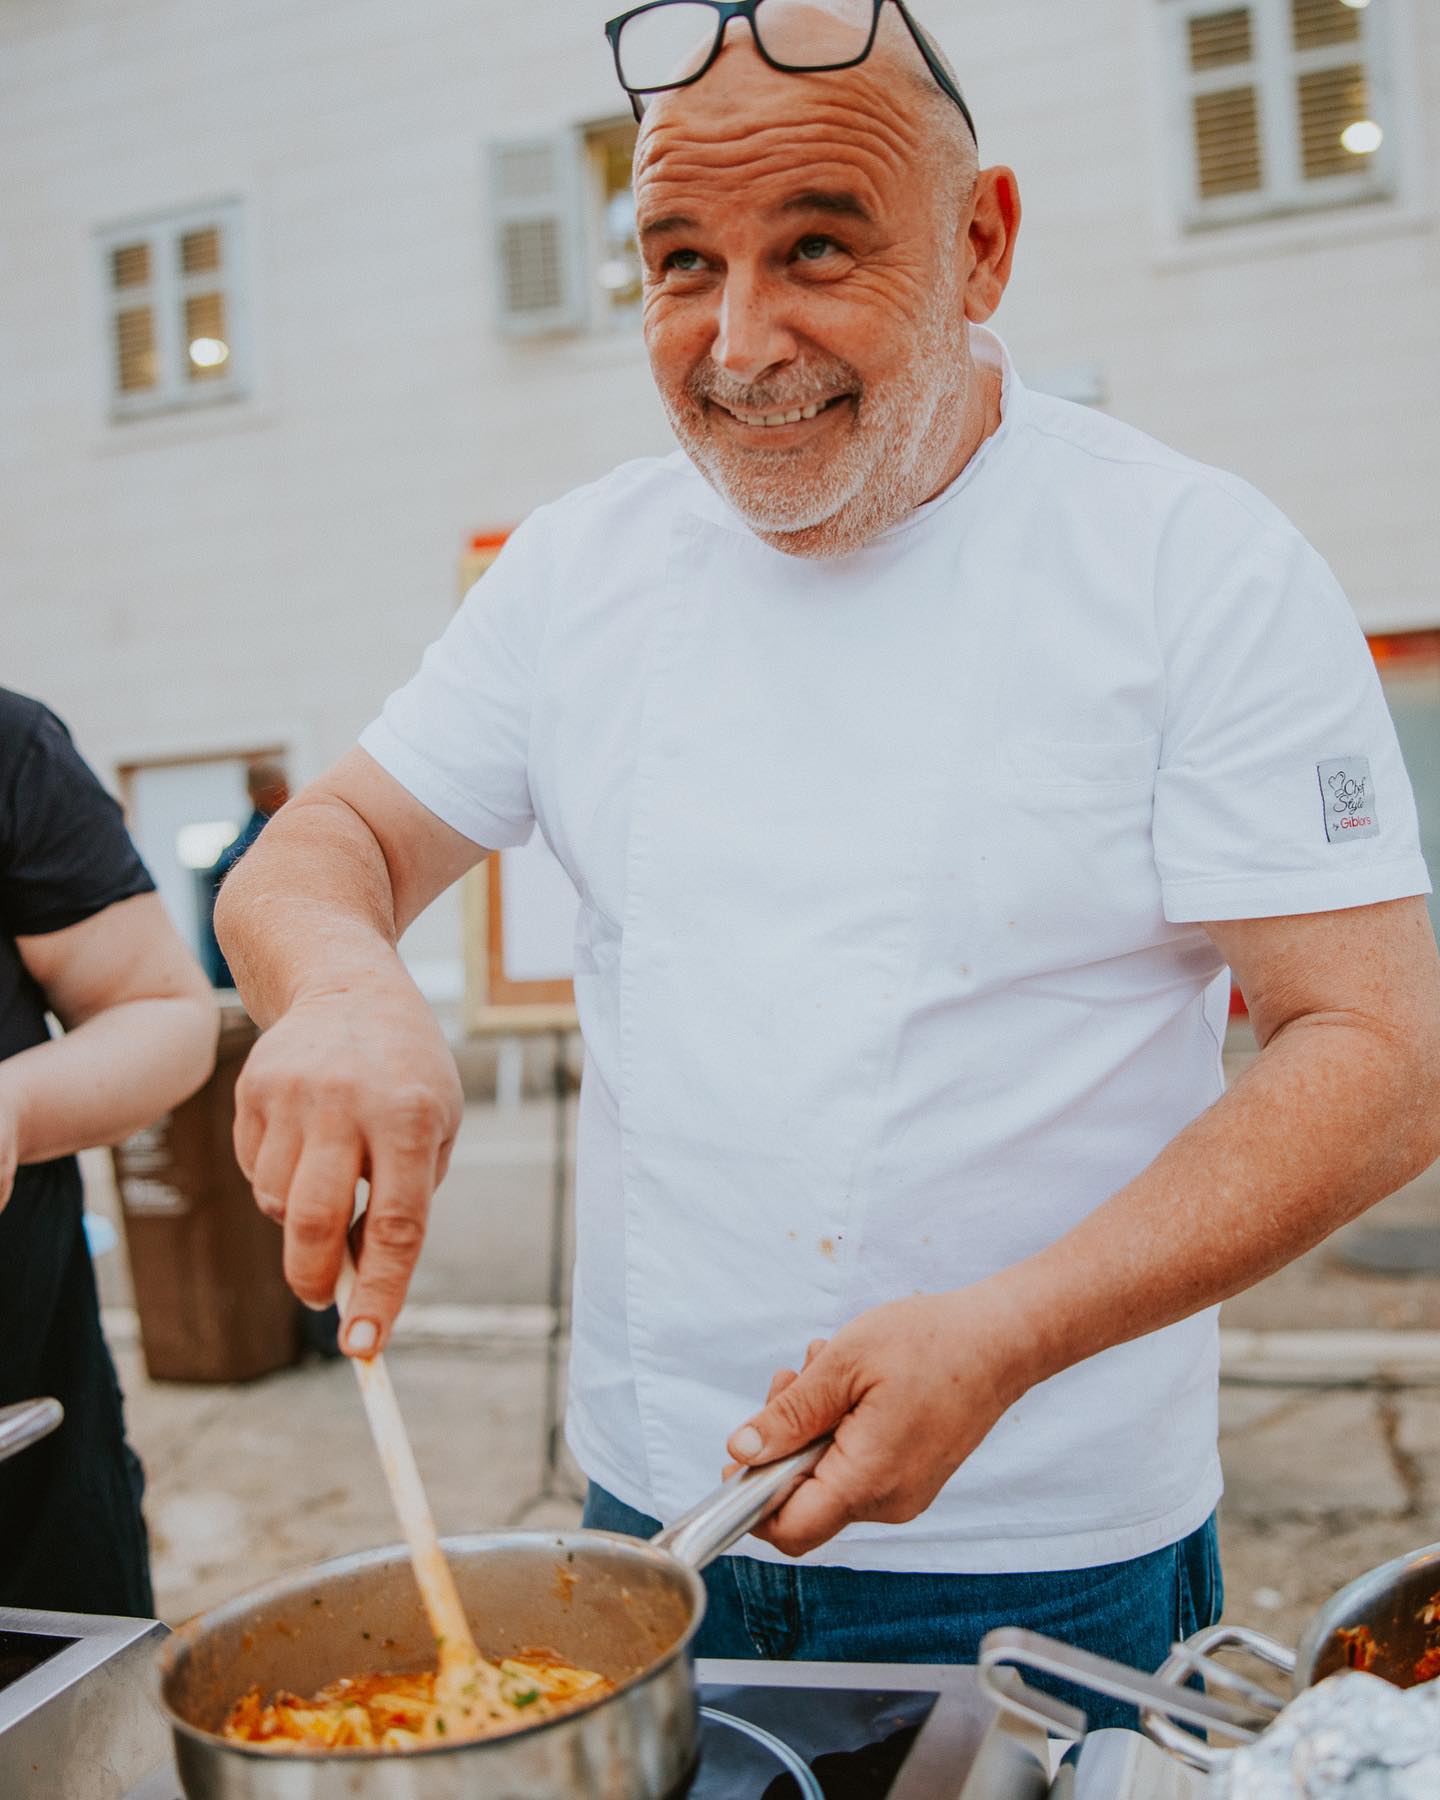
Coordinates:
<point>1323,1481</point>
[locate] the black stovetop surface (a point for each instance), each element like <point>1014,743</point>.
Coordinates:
<point>796,1743</point>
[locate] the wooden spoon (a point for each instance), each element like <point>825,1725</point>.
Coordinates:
<point>468,1689</point>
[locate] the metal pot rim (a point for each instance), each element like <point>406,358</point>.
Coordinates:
<point>1360,1594</point>
<point>287,1587</point>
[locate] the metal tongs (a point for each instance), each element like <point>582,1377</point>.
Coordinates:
<point>1164,1701</point>
<point>1196,1656</point>
<point>26,1423</point>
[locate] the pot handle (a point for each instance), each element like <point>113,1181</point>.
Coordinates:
<point>26,1423</point>
<point>737,1506</point>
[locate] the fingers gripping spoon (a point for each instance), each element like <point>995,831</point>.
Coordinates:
<point>469,1691</point>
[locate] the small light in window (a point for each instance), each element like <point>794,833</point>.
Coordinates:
<point>1362,137</point>
<point>198,846</point>
<point>615,274</point>
<point>1355,5</point>
<point>209,353</point>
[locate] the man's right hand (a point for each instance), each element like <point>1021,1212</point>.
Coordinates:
<point>347,1085</point>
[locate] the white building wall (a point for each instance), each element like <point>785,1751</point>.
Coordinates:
<point>265,571</point>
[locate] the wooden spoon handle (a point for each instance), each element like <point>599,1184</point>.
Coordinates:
<point>454,1643</point>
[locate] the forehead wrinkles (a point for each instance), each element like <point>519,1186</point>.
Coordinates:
<point>883,147</point>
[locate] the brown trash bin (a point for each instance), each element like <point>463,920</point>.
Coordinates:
<point>205,1261</point>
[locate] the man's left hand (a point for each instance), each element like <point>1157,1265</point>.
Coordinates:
<point>908,1389</point>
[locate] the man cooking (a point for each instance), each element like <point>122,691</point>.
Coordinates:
<point>923,750</point>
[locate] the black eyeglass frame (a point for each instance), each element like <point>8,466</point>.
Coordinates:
<point>726,10</point>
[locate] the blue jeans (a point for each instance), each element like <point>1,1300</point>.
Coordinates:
<point>1132,1611</point>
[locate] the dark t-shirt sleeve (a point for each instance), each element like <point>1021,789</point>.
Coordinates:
<point>64,851</point>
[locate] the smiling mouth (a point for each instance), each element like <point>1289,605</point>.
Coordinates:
<point>795,415</point>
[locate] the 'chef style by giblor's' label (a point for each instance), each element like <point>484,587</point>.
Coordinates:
<point>1349,797</point>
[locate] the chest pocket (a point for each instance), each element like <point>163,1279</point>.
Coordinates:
<point>1052,852</point>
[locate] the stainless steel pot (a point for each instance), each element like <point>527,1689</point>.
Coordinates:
<point>625,1608</point>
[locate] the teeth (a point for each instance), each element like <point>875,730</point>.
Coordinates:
<point>793,417</point>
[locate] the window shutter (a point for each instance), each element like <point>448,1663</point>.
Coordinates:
<point>1227,142</point>
<point>1330,101</point>
<point>536,198</point>
<point>1224,103</point>
<point>1319,22</point>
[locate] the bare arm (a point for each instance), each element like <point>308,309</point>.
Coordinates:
<point>1341,1107</point>
<point>352,1078</point>
<point>140,1025</point>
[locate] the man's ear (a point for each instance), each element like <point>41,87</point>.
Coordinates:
<point>990,241</point>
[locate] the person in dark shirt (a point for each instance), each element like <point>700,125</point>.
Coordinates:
<point>83,936</point>
<point>268,789</point>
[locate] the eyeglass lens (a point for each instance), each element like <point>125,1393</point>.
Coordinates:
<point>668,44</point>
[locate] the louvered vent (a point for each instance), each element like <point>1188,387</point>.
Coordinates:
<point>1227,142</point>
<point>539,234</point>
<point>1319,22</point>
<point>1218,40</point>
<point>136,367</point>
<point>1331,101</point>
<point>533,263</point>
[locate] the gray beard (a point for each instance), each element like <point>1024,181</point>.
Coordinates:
<point>892,460</point>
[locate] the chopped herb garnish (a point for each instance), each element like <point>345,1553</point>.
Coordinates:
<point>526,1698</point>
<point>440,1726</point>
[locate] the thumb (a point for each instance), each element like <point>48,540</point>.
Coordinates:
<point>803,1410</point>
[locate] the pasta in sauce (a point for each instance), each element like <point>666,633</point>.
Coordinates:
<point>401,1712</point>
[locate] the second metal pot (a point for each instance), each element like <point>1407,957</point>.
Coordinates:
<point>624,1608</point>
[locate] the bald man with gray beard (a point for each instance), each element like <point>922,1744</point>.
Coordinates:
<point>925,752</point>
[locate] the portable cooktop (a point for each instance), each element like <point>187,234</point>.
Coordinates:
<point>76,1719</point>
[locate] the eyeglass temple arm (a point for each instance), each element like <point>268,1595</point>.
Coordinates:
<point>936,68</point>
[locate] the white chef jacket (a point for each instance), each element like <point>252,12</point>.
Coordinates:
<point>887,960</point>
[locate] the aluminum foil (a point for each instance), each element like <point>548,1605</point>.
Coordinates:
<point>1352,1735</point>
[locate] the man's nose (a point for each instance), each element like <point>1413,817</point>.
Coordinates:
<point>750,336</point>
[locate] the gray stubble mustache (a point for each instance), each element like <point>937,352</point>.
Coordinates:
<point>706,383</point>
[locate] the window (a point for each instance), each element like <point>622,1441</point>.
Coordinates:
<point>182,814</point>
<point>614,251</point>
<point>173,311</point>
<point>564,223</point>
<point>1282,106</point>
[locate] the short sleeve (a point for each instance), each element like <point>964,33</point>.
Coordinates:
<point>1281,787</point>
<point>64,851</point>
<point>457,735</point>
